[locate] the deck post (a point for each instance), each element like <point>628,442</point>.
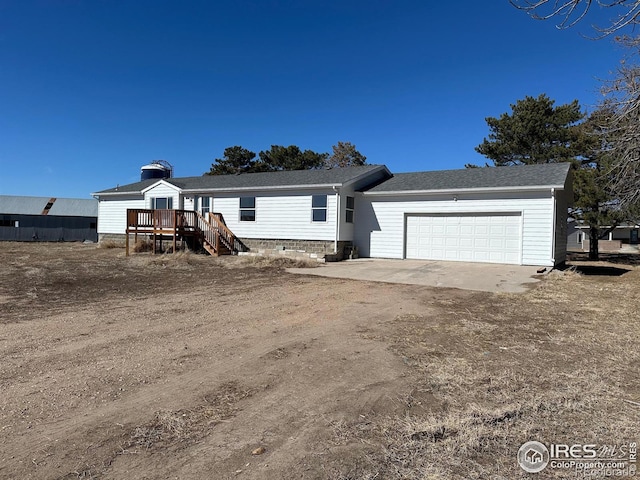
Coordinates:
<point>126,241</point>
<point>175,229</point>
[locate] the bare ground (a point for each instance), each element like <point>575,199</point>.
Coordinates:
<point>192,367</point>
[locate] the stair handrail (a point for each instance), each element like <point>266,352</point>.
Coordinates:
<point>209,233</point>
<point>232,242</point>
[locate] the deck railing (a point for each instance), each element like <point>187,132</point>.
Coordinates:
<point>145,220</point>
<point>212,229</point>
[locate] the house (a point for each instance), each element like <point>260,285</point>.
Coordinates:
<point>621,239</point>
<point>48,219</point>
<point>515,215</point>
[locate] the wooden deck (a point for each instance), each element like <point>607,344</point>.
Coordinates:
<point>216,238</point>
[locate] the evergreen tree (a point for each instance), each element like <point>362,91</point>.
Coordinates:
<point>235,160</point>
<point>345,154</point>
<point>534,132</point>
<point>538,132</point>
<point>290,158</point>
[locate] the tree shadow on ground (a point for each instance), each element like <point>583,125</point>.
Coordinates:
<point>622,264</point>
<point>601,270</point>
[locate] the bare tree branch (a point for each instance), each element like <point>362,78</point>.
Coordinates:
<point>623,95</point>
<point>570,12</point>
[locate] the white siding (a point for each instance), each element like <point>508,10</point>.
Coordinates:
<point>112,212</point>
<point>380,228</point>
<point>188,203</point>
<point>282,215</point>
<point>162,190</point>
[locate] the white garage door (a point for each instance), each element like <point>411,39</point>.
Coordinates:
<point>493,238</point>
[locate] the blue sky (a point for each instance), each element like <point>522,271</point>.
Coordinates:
<point>91,90</point>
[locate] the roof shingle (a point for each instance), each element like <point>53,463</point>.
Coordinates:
<point>291,178</point>
<point>542,175</point>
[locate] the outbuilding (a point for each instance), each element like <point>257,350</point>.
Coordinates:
<point>48,219</point>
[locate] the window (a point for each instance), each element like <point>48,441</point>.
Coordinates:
<point>205,206</point>
<point>580,237</point>
<point>247,209</point>
<point>6,222</point>
<point>350,208</point>
<point>162,203</point>
<point>319,208</point>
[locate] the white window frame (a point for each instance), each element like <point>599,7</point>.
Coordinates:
<point>154,203</point>
<point>349,210</point>
<point>315,207</point>
<point>244,209</point>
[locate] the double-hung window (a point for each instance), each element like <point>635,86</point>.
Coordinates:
<point>349,211</point>
<point>319,208</point>
<point>162,203</point>
<point>247,209</point>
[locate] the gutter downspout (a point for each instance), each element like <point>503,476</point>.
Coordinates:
<point>335,243</point>
<point>555,226</point>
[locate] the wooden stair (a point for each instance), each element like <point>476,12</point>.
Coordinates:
<point>216,238</point>
<point>210,232</point>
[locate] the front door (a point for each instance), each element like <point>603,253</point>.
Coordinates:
<point>205,206</point>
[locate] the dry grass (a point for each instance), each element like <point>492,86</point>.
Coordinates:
<point>181,259</point>
<point>143,246</point>
<point>553,365</point>
<point>279,262</point>
<point>170,427</point>
<point>110,244</point>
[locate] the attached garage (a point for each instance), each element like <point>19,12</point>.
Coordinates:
<point>512,215</point>
<point>472,237</point>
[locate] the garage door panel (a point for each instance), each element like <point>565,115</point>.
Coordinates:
<point>451,242</point>
<point>512,244</point>
<point>486,237</point>
<point>496,243</point>
<point>466,243</point>
<point>480,243</point>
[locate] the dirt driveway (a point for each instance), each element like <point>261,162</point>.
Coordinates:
<point>190,367</point>
<point>484,277</point>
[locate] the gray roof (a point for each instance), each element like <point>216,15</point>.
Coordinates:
<point>65,207</point>
<point>543,175</point>
<point>281,179</point>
